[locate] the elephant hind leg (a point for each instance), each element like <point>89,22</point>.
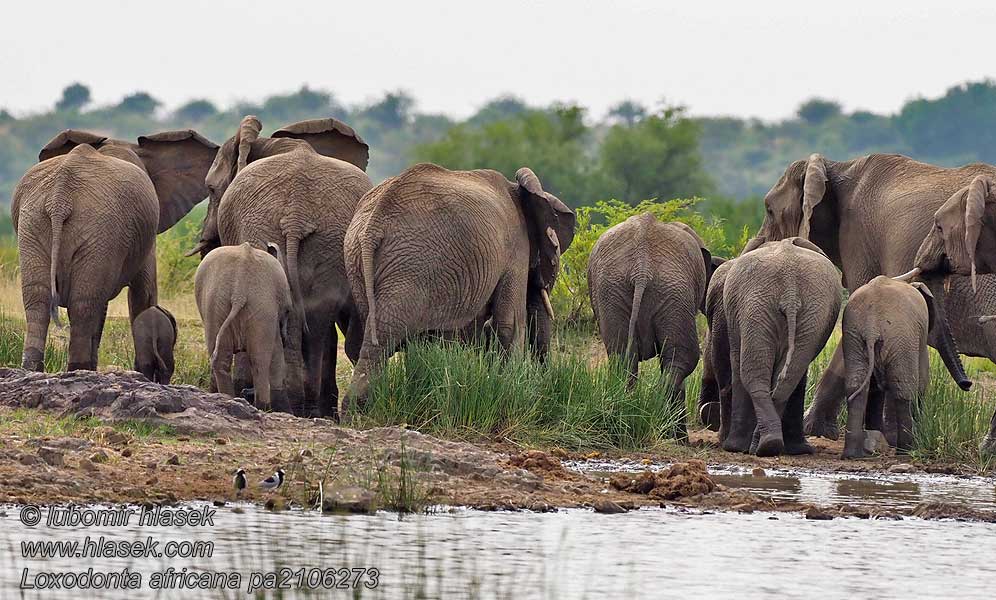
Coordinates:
<point>795,439</point>
<point>328,404</point>
<point>37,315</point>
<point>742,420</point>
<point>821,419</point>
<point>87,323</point>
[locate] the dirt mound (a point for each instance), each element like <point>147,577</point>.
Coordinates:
<point>538,462</point>
<point>125,395</point>
<point>682,480</point>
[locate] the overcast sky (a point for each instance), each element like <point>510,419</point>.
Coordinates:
<point>740,58</point>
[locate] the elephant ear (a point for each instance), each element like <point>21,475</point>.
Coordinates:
<point>330,137</point>
<point>929,298</point>
<point>979,193</point>
<point>67,140</point>
<point>248,133</point>
<point>177,162</point>
<point>814,188</point>
<point>808,245</point>
<point>551,224</point>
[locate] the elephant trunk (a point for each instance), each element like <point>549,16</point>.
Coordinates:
<point>295,280</point>
<point>946,345</point>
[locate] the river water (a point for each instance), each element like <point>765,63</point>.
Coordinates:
<point>649,553</point>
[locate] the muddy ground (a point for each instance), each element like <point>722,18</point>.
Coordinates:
<point>88,437</point>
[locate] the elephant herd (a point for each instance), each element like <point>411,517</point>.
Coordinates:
<point>297,242</point>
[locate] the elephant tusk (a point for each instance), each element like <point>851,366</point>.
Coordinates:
<point>947,284</point>
<point>909,276</point>
<point>986,319</point>
<point>546,302</point>
<point>196,249</point>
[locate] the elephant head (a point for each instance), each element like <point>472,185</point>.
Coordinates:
<point>789,204</point>
<point>175,161</point>
<point>551,230</point>
<point>958,242</point>
<point>328,137</point>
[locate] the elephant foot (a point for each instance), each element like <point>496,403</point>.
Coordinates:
<point>81,366</point>
<point>278,401</point>
<point>709,415</point>
<point>770,444</point>
<point>795,448</point>
<point>819,427</point>
<point>328,408</point>
<point>33,360</point>
<point>734,443</point>
<point>296,401</point>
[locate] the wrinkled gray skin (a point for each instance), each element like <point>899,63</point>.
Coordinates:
<point>870,215</point>
<point>434,250</point>
<point>716,394</point>
<point>781,302</point>
<point>885,328</point>
<point>86,218</point>
<point>298,188</point>
<point>154,335</point>
<point>646,281</point>
<point>244,301</point>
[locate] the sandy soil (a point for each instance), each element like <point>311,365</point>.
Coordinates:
<point>144,443</point>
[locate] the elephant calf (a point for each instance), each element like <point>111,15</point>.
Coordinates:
<point>781,301</point>
<point>646,280</point>
<point>244,300</point>
<point>154,334</point>
<point>885,328</point>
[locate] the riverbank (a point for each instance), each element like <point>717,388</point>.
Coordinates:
<point>86,437</point>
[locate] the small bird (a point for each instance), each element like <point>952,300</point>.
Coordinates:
<point>240,482</point>
<point>273,481</point>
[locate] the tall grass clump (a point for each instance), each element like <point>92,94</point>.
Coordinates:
<point>451,389</point>
<point>950,423</point>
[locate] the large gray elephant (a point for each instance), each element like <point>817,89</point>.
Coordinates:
<point>871,215</point>
<point>884,333</point>
<point>298,188</point>
<point>781,302</point>
<point>434,250</point>
<point>646,281</point>
<point>86,218</point>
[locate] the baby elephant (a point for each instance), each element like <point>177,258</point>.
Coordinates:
<point>781,301</point>
<point>154,334</point>
<point>646,281</point>
<point>885,328</point>
<point>244,301</point>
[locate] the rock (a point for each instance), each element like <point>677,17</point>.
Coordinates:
<point>69,444</point>
<point>52,456</point>
<point>220,441</point>
<point>902,468</point>
<point>218,502</point>
<point>744,508</point>
<point>99,457</point>
<point>173,460</point>
<point>183,438</point>
<point>29,459</point>
<point>681,480</point>
<point>607,507</point>
<point>151,465</point>
<point>88,466</point>
<point>758,472</point>
<point>815,513</point>
<point>352,499</point>
<point>875,442</point>
<point>113,437</point>
<point>126,452</point>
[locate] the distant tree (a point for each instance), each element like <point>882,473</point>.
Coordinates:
<point>393,111</point>
<point>6,117</point>
<point>961,125</point>
<point>502,107</point>
<point>817,110</point>
<point>303,104</point>
<point>627,112</point>
<point>74,97</point>
<point>195,110</point>
<point>139,103</point>
<point>658,157</point>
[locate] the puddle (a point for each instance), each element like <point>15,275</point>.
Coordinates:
<point>885,491</point>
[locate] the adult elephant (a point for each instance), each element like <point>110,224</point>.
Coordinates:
<point>870,215</point>
<point>298,188</point>
<point>86,218</point>
<point>439,250</point>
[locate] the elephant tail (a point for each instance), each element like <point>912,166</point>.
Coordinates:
<point>238,302</point>
<point>57,221</point>
<point>293,244</point>
<point>639,286</point>
<point>870,368</point>
<point>160,363</point>
<point>790,310</point>
<point>366,257</point>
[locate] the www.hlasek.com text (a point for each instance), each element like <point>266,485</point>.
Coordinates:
<point>184,579</point>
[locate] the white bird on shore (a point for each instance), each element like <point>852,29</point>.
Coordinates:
<point>273,481</point>
<point>240,482</point>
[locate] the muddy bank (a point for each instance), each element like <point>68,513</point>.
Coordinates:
<point>196,440</point>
